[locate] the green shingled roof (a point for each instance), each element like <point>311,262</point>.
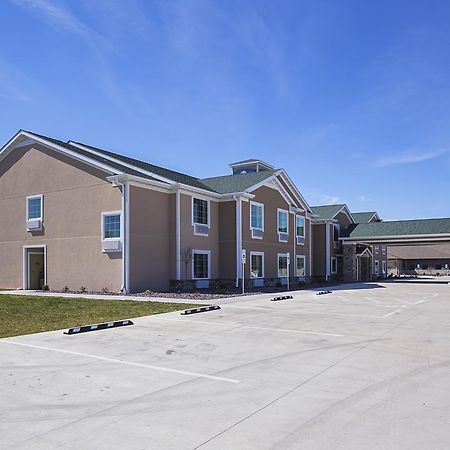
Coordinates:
<point>327,212</point>
<point>236,183</point>
<point>363,217</point>
<point>398,228</point>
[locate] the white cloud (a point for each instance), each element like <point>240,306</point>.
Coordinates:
<point>409,157</point>
<point>329,199</point>
<point>363,198</point>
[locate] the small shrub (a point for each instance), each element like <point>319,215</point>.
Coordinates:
<point>45,287</point>
<point>104,290</point>
<point>66,289</point>
<point>83,289</point>
<point>148,292</point>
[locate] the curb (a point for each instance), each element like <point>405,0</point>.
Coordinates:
<point>98,326</point>
<point>187,312</point>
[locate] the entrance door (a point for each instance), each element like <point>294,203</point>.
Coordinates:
<point>36,270</point>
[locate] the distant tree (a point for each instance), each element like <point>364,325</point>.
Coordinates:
<point>186,257</point>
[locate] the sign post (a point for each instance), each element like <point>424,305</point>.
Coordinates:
<point>288,264</point>
<point>243,258</point>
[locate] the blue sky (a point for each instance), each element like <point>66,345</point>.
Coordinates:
<point>350,97</point>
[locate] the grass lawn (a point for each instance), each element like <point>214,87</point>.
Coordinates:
<point>28,314</point>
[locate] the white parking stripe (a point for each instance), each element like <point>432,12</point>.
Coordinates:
<point>392,313</point>
<point>120,361</point>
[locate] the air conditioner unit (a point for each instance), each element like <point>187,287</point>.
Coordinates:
<point>201,229</point>
<point>112,246</point>
<point>283,237</point>
<point>34,224</point>
<point>257,234</point>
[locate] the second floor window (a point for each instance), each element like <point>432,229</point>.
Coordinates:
<point>34,207</point>
<point>282,221</point>
<point>256,216</point>
<point>300,226</point>
<point>111,226</point>
<point>200,211</point>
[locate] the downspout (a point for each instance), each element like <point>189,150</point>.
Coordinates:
<point>327,244</point>
<point>127,288</point>
<point>238,237</point>
<point>178,234</point>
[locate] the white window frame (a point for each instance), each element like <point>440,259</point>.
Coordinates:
<point>304,226</point>
<point>377,267</point>
<point>297,257</point>
<point>251,265</point>
<point>384,267</point>
<point>192,210</point>
<point>278,222</point>
<point>376,249</point>
<point>31,197</point>
<point>334,259</point>
<point>338,227</point>
<point>285,255</point>
<point>250,215</point>
<point>111,213</point>
<point>201,252</point>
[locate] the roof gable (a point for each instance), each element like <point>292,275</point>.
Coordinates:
<point>329,212</point>
<point>365,217</point>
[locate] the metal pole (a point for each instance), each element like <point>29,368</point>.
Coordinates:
<point>243,283</point>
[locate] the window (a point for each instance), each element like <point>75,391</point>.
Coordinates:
<point>383,267</point>
<point>377,249</point>
<point>300,226</point>
<point>34,207</point>
<point>377,267</point>
<point>333,264</point>
<point>336,231</point>
<point>111,225</point>
<point>283,225</point>
<point>257,219</point>
<point>300,266</point>
<point>200,210</point>
<point>282,265</point>
<point>256,265</point>
<point>200,264</point>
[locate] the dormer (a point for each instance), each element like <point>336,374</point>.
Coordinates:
<point>250,165</point>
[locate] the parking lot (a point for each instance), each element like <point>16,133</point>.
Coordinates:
<point>365,367</point>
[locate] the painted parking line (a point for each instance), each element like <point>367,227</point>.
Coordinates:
<point>391,313</point>
<point>121,361</point>
<point>241,326</point>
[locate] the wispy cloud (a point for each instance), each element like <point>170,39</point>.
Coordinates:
<point>410,157</point>
<point>363,198</point>
<point>329,199</point>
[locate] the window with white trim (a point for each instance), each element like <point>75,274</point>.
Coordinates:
<point>300,266</point>
<point>336,232</point>
<point>256,265</point>
<point>283,225</point>
<point>377,267</point>
<point>383,267</point>
<point>35,207</point>
<point>111,226</point>
<point>333,264</point>
<point>282,265</point>
<point>200,211</point>
<point>257,219</point>
<point>377,249</point>
<point>201,264</point>
<point>300,226</point>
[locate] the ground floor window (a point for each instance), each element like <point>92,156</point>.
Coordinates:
<point>300,266</point>
<point>201,264</point>
<point>282,265</point>
<point>333,265</point>
<point>256,265</point>
<point>383,265</point>
<point>377,267</point>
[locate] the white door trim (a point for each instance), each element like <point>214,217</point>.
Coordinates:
<point>26,263</point>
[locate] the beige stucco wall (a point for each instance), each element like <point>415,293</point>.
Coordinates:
<point>152,237</point>
<point>195,242</point>
<point>270,244</point>
<point>75,195</point>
